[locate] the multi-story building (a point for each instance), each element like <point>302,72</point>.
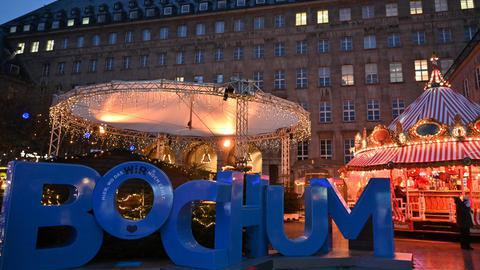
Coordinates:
<point>352,64</point>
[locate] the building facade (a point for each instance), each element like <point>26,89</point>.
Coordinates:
<point>350,65</point>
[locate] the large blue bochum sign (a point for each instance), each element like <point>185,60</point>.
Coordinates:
<point>261,214</point>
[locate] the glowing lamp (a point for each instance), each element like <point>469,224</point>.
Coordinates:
<point>25,115</point>
<point>227,143</point>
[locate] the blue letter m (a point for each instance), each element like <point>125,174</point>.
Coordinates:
<point>374,202</point>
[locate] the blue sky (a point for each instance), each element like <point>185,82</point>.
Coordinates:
<point>14,8</point>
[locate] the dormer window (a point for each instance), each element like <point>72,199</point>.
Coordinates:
<point>133,15</point>
<point>86,21</point>
<point>167,11</point>
<point>41,26</point>
<point>240,3</point>
<point>70,22</point>
<point>117,6</point>
<point>148,2</point>
<point>26,28</point>
<point>203,6</point>
<point>13,29</point>
<point>132,4</point>
<point>117,17</point>
<point>185,9</point>
<point>55,24</point>
<point>150,12</point>
<point>222,4</point>
<point>259,2</point>
<point>102,18</point>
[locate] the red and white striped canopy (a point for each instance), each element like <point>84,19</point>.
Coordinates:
<point>424,152</point>
<point>441,104</point>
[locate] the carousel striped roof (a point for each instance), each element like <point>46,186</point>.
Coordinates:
<point>441,104</point>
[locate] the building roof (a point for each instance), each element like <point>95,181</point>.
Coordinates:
<point>63,10</point>
<point>464,54</point>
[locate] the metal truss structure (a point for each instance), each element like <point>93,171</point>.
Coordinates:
<point>244,91</point>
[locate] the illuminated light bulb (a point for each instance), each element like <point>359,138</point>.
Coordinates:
<point>227,143</point>
<point>101,130</point>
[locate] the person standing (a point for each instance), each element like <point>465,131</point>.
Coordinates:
<point>464,221</point>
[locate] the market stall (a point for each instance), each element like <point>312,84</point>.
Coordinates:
<point>431,153</point>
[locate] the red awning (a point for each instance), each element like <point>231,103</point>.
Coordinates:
<point>418,153</point>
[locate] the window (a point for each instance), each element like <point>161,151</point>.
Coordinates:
<point>238,53</point>
<point>35,46</point>
<point>198,78</point>
<point>109,63</point>
<point>302,150</point>
<point>279,49</point>
<point>394,40</point>
<point>50,45</point>
<point>26,28</point>
<point>203,6</point>
<point>238,25</point>
<point>167,11</point>
<point>200,29</point>
<point>149,12</point>
<point>112,38</point>
<point>279,81</point>
<point>421,70</point>
<point>398,106</point>
<point>219,78</point>
<point>322,16</point>
<point>182,31</point>
<point>92,67</point>
<point>118,16</point>
<point>466,88</point>
<point>61,68</point>
<point>164,32</point>
<point>470,32</point>
<point>467,4</point>
<point>391,10</point>
<point>80,42</point>
<point>20,48</point>
<point>259,23</point>
<point>369,42</point>
<point>326,149</point>
<point>218,55</point>
<point>129,37</point>
<point>46,70</point>
<point>300,19</point>
<point>199,56</point>
<point>13,29</point>
<point>240,3</point>
<point>418,38</point>
<point>76,67</point>
<point>219,27</point>
<point>445,64</point>
<point>444,35</point>
<point>348,111</point>
<point>96,40</point>
<point>162,59</point>
<point>348,146</point>
<point>144,61</point>
<point>346,44</point>
<point>441,5</point>
<point>302,78</point>
<point>146,35</point>
<point>324,77</point>
<point>258,51</point>
<point>179,79</point>
<point>345,14</point>
<point>41,26</point>
<point>396,74</point>
<point>127,62</point>
<point>185,9</point>
<point>65,43</point>
<point>416,7</point>
<point>180,60</point>
<point>368,12</point>
<point>133,15</point>
<point>55,24</point>
<point>323,46</point>
<point>302,47</point>
<point>259,2</point>
<point>325,112</point>
<point>258,78</point>
<point>347,75</point>
<point>279,21</point>
<point>70,22</point>
<point>371,74</point>
<point>373,110</point>
<point>102,18</point>
<point>85,20</point>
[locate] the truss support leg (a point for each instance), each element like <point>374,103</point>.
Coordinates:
<point>285,161</point>
<point>55,136</point>
<point>241,130</point>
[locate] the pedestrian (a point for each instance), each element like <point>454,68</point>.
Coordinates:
<point>464,221</point>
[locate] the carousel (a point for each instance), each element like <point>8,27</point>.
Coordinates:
<point>216,126</point>
<point>431,153</point>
